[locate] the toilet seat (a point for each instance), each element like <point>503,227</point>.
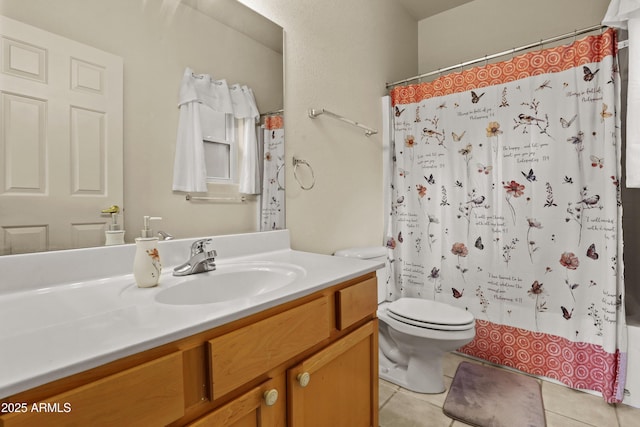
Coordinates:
<point>430,314</point>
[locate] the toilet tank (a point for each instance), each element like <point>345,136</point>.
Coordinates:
<point>377,253</point>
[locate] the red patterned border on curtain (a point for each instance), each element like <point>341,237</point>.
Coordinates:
<point>576,364</point>
<point>274,122</point>
<point>552,60</point>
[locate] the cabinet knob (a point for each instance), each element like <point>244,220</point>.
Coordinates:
<point>303,379</point>
<point>270,397</point>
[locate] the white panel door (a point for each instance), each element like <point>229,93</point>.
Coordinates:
<point>61,119</point>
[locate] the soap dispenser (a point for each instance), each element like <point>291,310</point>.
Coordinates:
<point>115,234</point>
<point>146,264</point>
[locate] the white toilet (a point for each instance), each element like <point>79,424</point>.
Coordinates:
<point>415,333</point>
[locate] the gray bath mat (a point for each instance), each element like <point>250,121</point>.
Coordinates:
<point>490,397</point>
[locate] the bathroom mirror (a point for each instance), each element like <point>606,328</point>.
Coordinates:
<point>156,41</point>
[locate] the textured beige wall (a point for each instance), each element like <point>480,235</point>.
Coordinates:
<point>157,44</point>
<point>338,56</point>
<point>484,27</point>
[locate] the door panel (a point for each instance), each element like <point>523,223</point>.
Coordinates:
<point>61,116</point>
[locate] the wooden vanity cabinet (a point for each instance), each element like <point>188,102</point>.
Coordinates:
<point>308,362</point>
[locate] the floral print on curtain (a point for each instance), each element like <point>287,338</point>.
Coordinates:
<point>506,203</point>
<point>272,216</point>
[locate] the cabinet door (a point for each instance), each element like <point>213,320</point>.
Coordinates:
<point>261,406</point>
<point>337,386</point>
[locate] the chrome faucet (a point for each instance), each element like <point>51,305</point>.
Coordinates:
<point>163,235</point>
<point>201,260</point>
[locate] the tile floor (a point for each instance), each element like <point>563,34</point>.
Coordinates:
<point>564,407</point>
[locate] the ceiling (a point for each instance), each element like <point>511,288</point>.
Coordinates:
<point>421,9</point>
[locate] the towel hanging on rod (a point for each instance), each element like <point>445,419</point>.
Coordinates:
<point>313,113</point>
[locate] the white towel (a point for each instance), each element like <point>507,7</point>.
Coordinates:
<point>619,12</point>
<point>625,14</point>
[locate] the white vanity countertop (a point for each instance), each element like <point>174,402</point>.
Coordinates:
<point>47,333</point>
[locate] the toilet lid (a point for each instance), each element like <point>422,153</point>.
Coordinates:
<point>430,314</point>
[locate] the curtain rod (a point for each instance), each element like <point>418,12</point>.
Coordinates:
<point>499,54</point>
<point>272,113</point>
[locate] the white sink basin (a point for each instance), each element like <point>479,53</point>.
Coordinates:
<point>230,282</point>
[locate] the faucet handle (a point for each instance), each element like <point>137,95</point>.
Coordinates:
<point>211,255</point>
<point>200,246</point>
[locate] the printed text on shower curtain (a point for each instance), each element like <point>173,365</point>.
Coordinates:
<point>506,203</point>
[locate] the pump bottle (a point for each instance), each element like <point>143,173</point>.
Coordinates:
<point>115,234</point>
<point>146,264</point>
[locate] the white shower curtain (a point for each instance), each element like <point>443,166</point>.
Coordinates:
<point>272,216</point>
<point>505,202</point>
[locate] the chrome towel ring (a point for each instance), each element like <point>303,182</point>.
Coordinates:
<point>298,162</point>
<point>280,186</point>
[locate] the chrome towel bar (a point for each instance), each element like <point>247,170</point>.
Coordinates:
<point>313,113</point>
<point>240,199</point>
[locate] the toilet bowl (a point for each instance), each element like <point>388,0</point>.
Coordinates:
<point>414,333</point>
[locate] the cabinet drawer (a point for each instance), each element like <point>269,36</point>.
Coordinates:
<point>244,354</point>
<point>149,394</point>
<point>356,302</point>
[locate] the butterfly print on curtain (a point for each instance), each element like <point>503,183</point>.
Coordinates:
<point>527,209</point>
